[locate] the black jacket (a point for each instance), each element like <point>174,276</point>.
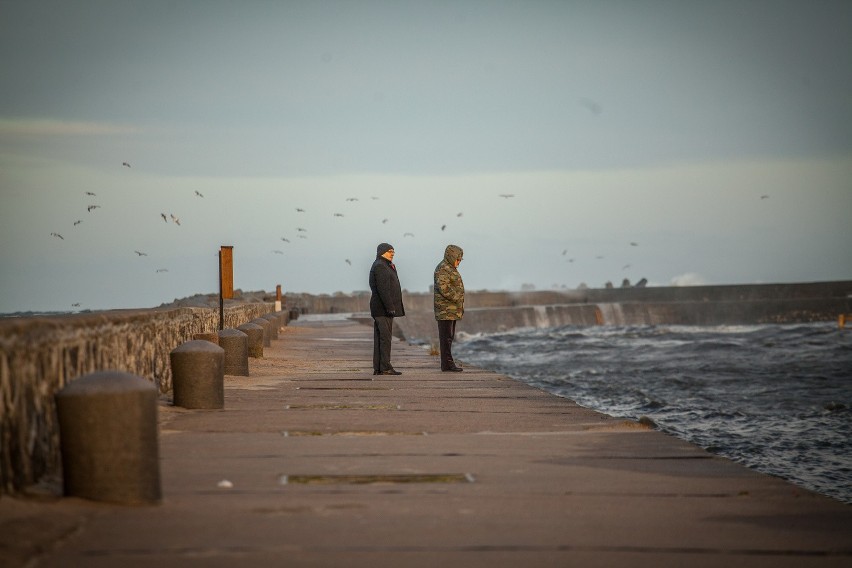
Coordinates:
<point>386,300</point>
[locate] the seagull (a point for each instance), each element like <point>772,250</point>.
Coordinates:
<point>125,164</point>
<point>408,235</point>
<point>564,252</point>
<point>140,253</point>
<point>599,257</point>
<point>89,193</point>
<point>460,214</point>
<point>625,267</point>
<point>443,227</point>
<point>94,207</point>
<point>57,235</point>
<point>351,199</point>
<point>302,237</point>
<point>75,305</point>
<point>633,244</point>
<point>349,262</point>
<point>285,240</point>
<point>591,106</point>
<point>163,215</point>
<point>384,221</point>
<point>507,195</point>
<point>77,222</point>
<point>301,230</point>
<point>175,219</point>
<point>338,214</point>
<point>570,260</point>
<point>162,270</point>
<point>278,252</point>
<point>764,196</point>
<point>198,193</point>
<point>300,210</point>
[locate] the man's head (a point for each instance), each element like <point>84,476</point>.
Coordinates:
<point>385,250</point>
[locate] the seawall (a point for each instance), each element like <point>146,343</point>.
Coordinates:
<point>39,355</point>
<point>698,305</point>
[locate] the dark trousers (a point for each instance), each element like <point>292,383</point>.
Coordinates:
<point>382,336</point>
<point>446,335</point>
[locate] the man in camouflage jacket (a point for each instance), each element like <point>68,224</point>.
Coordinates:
<point>449,303</point>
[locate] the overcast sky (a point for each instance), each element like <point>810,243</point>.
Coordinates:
<point>557,143</point>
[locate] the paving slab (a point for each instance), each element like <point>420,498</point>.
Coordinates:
<point>316,462</point>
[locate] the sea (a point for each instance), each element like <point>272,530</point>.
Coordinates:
<point>775,398</point>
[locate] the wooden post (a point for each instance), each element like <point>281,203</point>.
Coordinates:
<point>226,280</point>
<point>278,298</point>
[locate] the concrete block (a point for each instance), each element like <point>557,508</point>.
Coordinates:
<point>235,344</point>
<point>255,335</point>
<point>108,438</point>
<point>198,375</point>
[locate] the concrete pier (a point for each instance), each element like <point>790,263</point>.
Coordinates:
<point>316,462</point>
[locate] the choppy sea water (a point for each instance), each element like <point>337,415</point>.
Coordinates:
<point>776,398</point>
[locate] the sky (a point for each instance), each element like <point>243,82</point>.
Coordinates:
<point>559,143</point>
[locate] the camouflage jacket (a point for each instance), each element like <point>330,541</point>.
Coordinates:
<point>449,288</point>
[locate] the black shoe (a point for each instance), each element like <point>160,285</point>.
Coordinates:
<point>376,372</point>
<point>453,370</point>
<point>390,372</point>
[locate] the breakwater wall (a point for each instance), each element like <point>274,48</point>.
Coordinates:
<point>489,312</point>
<point>40,355</point>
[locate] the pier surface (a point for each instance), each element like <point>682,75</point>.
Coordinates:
<point>316,462</point>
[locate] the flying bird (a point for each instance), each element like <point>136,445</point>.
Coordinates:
<point>57,235</point>
<point>338,214</point>
<point>351,199</point>
<point>278,252</point>
<point>175,219</point>
<point>591,106</point>
<point>198,193</point>
<point>634,244</point>
<point>300,210</point>
<point>625,267</point>
<point>302,237</point>
<point>285,240</point>
<point>384,221</point>
<point>94,207</point>
<point>163,215</point>
<point>460,214</point>
<point>125,164</point>
<point>75,305</point>
<point>764,196</point>
<point>301,230</point>
<point>443,227</point>
<point>349,262</point>
<point>89,193</point>
<point>507,195</point>
<point>140,253</point>
<point>162,270</point>
<point>408,235</point>
<point>564,252</point>
<point>77,222</point>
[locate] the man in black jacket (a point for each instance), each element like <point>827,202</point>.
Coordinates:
<point>385,304</point>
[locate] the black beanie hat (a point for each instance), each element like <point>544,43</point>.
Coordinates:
<point>383,248</point>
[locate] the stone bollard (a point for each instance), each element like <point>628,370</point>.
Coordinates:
<point>267,333</point>
<point>198,375</point>
<point>211,337</point>
<point>255,335</point>
<point>274,324</point>
<point>108,438</point>
<point>235,344</point>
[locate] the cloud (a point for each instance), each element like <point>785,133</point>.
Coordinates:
<point>52,127</point>
<point>688,279</point>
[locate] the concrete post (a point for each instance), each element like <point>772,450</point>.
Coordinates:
<point>198,375</point>
<point>255,335</point>
<point>235,344</point>
<point>267,333</point>
<point>108,438</point>
<point>274,324</point>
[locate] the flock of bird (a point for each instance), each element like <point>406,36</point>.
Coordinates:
<point>301,231</point>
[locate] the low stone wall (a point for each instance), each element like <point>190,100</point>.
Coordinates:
<point>39,355</point>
